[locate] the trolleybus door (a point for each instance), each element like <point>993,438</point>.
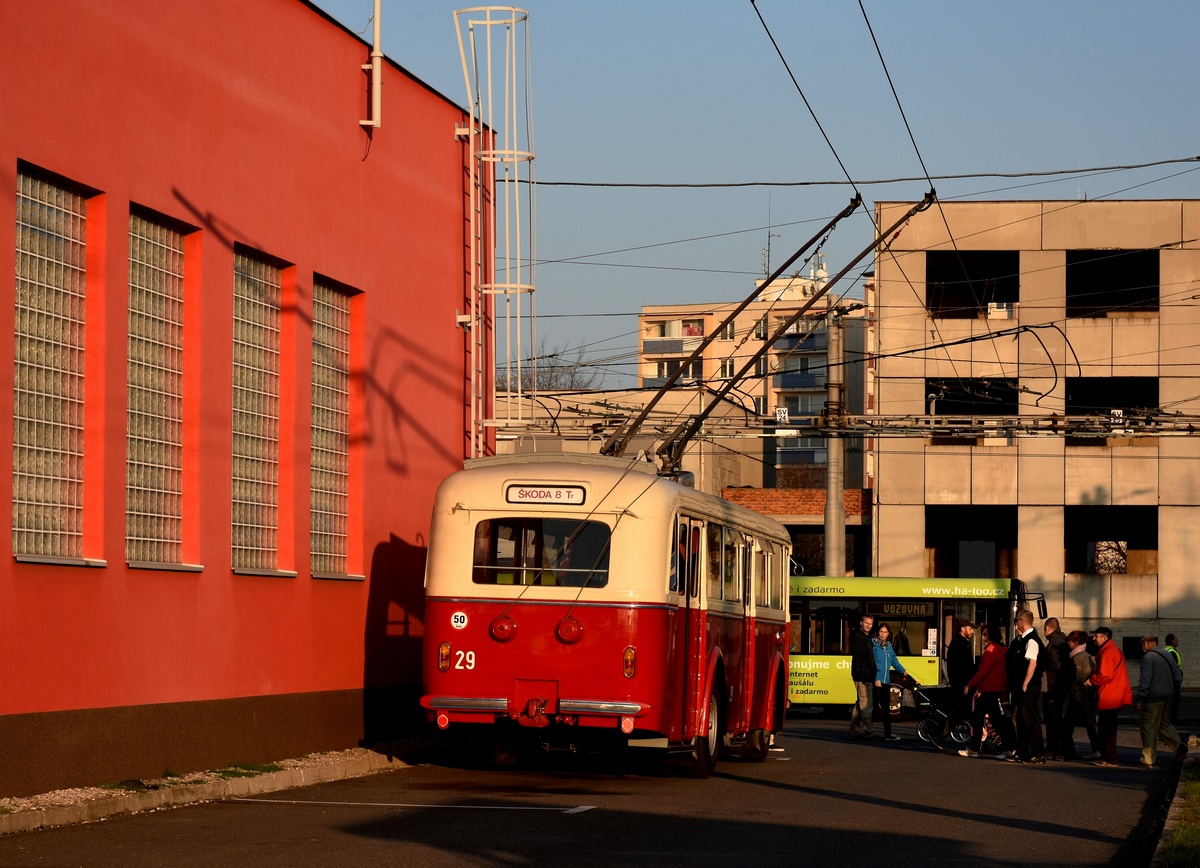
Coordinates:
<point>688,664</point>
<point>749,659</point>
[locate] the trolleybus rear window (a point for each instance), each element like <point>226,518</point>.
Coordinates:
<point>524,550</point>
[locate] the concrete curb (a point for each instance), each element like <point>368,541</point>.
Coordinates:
<point>1172,818</point>
<point>173,797</point>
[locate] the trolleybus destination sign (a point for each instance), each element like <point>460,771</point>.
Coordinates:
<point>570,495</point>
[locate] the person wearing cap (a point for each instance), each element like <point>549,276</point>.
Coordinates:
<point>1112,680</point>
<point>1157,681</point>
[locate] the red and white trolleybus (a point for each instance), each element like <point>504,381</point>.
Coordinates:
<point>576,596</point>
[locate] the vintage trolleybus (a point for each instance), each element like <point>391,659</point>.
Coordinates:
<point>577,598</point>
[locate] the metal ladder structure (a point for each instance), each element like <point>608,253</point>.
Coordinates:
<point>493,42</point>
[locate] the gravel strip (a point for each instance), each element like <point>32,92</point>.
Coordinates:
<point>84,804</point>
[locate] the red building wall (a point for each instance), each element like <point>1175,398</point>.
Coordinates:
<point>239,118</point>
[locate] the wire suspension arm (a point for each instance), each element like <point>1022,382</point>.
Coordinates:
<point>670,453</point>
<point>619,439</point>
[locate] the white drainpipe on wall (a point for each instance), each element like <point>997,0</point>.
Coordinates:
<point>376,67</point>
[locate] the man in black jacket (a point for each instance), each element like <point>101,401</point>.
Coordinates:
<point>960,666</point>
<point>1054,701</point>
<point>862,670</point>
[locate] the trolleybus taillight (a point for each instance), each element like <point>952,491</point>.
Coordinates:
<point>444,657</point>
<point>629,661</point>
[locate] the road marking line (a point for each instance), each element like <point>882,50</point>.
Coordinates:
<point>576,810</point>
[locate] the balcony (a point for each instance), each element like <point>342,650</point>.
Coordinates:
<point>659,382</point>
<point>818,342</point>
<point>663,347</point>
<point>798,380</point>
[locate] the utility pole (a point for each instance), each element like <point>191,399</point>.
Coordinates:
<point>835,513</point>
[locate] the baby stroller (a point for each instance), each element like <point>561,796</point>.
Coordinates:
<point>942,723</point>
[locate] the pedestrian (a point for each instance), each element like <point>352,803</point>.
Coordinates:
<point>1081,704</point>
<point>1112,679</point>
<point>988,685</point>
<point>1172,648</point>
<point>1025,685</point>
<point>862,670</point>
<point>1057,690</point>
<point>885,662</point>
<point>960,666</point>
<point>1157,681</point>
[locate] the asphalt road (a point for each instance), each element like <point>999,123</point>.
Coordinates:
<point>819,799</point>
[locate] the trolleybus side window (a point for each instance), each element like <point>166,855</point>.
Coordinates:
<point>762,578</point>
<point>730,564</point>
<point>685,559</point>
<point>693,574</point>
<point>528,550</point>
<point>713,536</point>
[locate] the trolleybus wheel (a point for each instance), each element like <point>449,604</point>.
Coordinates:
<point>758,745</point>
<point>709,741</point>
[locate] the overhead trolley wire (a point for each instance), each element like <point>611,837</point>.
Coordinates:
<point>833,182</point>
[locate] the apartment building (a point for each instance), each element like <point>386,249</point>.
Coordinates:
<point>785,386</point>
<point>1045,310</point>
<point>234,382</point>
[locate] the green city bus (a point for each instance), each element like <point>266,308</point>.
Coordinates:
<point>920,612</point>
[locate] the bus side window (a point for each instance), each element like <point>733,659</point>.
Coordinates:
<point>715,552</point>
<point>679,557</point>
<point>693,572</point>
<point>762,577</point>
<point>729,573</point>
<point>776,577</point>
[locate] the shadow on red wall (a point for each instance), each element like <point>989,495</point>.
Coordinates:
<point>395,626</point>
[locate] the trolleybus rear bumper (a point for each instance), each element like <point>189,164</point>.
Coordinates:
<point>465,709</point>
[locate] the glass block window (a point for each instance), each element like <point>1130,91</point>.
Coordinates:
<point>154,428</point>
<point>330,428</point>
<point>48,396</point>
<point>256,320</point>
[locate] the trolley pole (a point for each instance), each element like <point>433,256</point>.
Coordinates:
<point>835,513</point>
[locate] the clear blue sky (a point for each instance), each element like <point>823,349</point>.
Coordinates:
<point>668,91</point>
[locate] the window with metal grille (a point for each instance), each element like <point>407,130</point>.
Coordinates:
<point>154,432</point>
<point>48,388</point>
<point>330,429</point>
<point>257,291</point>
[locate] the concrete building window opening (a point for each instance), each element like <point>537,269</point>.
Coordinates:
<point>971,541</point>
<point>154,417</point>
<point>968,284</point>
<point>1110,540</point>
<point>1112,283</point>
<point>1106,397</point>
<point>330,461</point>
<point>257,293</point>
<point>48,371</point>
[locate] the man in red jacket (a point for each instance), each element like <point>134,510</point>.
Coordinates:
<point>1112,679</point>
<point>988,686</point>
